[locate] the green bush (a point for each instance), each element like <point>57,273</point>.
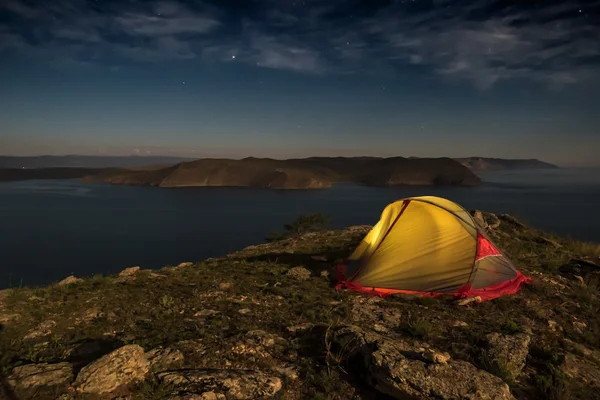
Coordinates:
<point>303,224</point>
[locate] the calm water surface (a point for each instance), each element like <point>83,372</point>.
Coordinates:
<point>51,229</point>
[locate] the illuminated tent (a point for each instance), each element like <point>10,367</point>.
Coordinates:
<point>430,246</point>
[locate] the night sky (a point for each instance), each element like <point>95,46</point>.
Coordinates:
<point>290,78</point>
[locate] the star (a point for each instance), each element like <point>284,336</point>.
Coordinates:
<point>183,83</point>
<point>233,57</point>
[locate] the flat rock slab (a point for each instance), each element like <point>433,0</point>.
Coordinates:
<point>227,384</point>
<point>399,371</point>
<point>33,377</point>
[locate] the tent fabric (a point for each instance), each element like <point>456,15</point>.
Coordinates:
<point>431,246</point>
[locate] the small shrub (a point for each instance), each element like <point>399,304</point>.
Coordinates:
<point>551,385</point>
<point>418,327</point>
<point>167,301</point>
<point>303,224</point>
<point>510,327</point>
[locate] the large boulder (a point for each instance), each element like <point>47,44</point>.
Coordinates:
<point>34,378</point>
<point>122,367</point>
<point>507,353</point>
<point>399,369</point>
<point>223,384</point>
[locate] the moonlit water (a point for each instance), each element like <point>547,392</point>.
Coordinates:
<point>51,229</point>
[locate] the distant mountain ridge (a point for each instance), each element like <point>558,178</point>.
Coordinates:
<point>496,164</point>
<point>77,161</point>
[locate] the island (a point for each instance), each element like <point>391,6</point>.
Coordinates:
<point>305,173</point>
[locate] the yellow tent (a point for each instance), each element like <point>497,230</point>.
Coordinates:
<point>429,245</point>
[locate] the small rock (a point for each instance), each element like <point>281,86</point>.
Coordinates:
<point>299,273</point>
<point>436,356</point>
<point>185,264</point>
<point>579,326</point>
<point>244,311</point>
<point>225,285</point>
<point>319,258</point>
<point>580,280</point>
<point>43,329</point>
<point>458,324</point>
<point>122,367</point>
<point>162,359</point>
<point>69,280</point>
<point>379,328</point>
<point>552,325</point>
<point>478,217</point>
<point>157,276</point>
<point>508,352</point>
<point>325,274</point>
<point>469,300</point>
<point>33,377</point>
<point>206,313</point>
<point>129,271</point>
<point>300,328</point>
<point>262,338</point>
<point>223,384</point>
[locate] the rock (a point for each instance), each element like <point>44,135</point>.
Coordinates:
<point>225,285</point>
<point>458,324</point>
<point>43,329</point>
<point>191,347</point>
<point>223,384</point>
<point>319,258</point>
<point>479,219</point>
<point>185,264</point>
<point>244,311</point>
<point>300,328</point>
<point>512,220</point>
<point>391,370</point>
<point>436,356</point>
<point>299,273</point>
<point>508,352</point>
<point>127,272</point>
<point>325,274</point>
<point>493,222</point>
<point>69,281</point>
<point>122,367</point>
<point>206,313</point>
<point>468,300</point>
<point>33,377</point>
<point>162,359</point>
<point>580,327</point>
<point>154,275</point>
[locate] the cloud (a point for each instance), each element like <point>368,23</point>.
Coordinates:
<point>483,42</point>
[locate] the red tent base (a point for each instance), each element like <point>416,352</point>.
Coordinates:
<point>488,293</point>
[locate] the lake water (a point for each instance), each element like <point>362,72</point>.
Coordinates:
<point>51,229</point>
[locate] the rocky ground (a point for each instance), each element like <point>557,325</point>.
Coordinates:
<point>266,322</point>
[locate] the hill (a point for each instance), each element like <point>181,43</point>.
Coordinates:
<point>496,164</point>
<point>267,322</point>
<point>308,173</point>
